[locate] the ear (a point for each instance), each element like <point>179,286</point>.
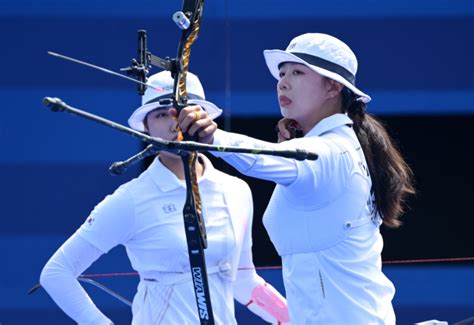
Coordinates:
<point>334,88</point>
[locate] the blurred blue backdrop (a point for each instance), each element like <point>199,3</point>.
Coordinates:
<point>415,58</point>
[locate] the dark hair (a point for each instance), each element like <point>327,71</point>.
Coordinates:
<point>392,178</point>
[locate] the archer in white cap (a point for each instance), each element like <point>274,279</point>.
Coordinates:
<point>324,215</point>
<point>145,216</point>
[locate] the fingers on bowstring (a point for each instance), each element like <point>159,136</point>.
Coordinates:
<point>283,130</point>
<point>188,116</point>
<point>201,125</point>
<point>206,134</point>
<point>207,130</point>
<point>287,129</point>
<point>295,126</point>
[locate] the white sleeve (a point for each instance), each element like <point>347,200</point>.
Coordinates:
<point>59,279</point>
<point>246,278</point>
<point>250,289</point>
<point>277,169</point>
<point>111,223</point>
<point>303,178</point>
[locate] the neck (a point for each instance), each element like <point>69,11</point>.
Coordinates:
<point>175,164</point>
<point>331,107</point>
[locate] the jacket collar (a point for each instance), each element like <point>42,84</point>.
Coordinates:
<point>329,123</point>
<point>167,181</point>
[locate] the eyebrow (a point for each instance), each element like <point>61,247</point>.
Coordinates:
<point>289,63</point>
<point>155,111</point>
<point>159,109</point>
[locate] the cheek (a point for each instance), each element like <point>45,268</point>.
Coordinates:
<point>314,98</point>
<point>161,128</point>
<point>153,128</point>
<point>153,132</point>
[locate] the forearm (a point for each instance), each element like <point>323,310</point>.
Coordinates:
<point>261,298</point>
<point>277,169</point>
<point>59,279</point>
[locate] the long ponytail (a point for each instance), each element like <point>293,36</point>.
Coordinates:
<point>392,178</point>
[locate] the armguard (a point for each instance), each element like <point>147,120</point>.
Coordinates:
<point>268,304</point>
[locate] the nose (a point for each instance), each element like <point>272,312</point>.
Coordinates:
<point>282,83</point>
<point>174,127</point>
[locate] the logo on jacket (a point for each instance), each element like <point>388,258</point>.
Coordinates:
<point>168,208</point>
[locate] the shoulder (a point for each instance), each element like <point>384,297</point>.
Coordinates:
<point>119,201</point>
<point>235,190</point>
<point>338,146</point>
<point>336,153</point>
<point>223,178</point>
<point>136,186</point>
<point>124,197</point>
<point>233,182</point>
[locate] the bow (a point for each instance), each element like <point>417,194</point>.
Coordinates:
<point>189,20</point>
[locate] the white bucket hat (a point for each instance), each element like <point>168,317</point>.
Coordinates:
<point>324,54</point>
<point>154,98</point>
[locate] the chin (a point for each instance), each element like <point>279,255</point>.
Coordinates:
<point>284,112</point>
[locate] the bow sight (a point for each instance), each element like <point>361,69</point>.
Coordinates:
<point>140,68</point>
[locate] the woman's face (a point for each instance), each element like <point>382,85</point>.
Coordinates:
<point>161,124</point>
<point>302,94</point>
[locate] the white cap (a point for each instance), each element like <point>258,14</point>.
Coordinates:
<point>322,53</point>
<point>154,98</point>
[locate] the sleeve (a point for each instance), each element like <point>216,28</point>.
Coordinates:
<point>111,222</point>
<point>304,179</point>
<point>59,279</point>
<point>277,169</point>
<point>250,289</point>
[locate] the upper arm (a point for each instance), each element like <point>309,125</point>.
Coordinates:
<point>320,180</point>
<point>111,222</point>
<point>71,259</point>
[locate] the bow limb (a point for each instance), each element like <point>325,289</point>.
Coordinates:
<point>192,11</point>
<point>190,21</point>
<point>192,14</point>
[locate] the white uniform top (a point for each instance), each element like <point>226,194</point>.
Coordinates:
<point>321,219</point>
<point>145,215</point>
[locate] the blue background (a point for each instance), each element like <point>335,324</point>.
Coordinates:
<point>415,58</point>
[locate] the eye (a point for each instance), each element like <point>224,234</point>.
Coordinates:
<point>281,74</point>
<point>160,114</point>
<point>297,72</point>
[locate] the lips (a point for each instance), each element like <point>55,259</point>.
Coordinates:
<point>284,101</point>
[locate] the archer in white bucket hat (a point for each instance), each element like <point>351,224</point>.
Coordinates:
<point>324,216</point>
<point>324,54</point>
<point>143,215</point>
<point>154,98</point>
